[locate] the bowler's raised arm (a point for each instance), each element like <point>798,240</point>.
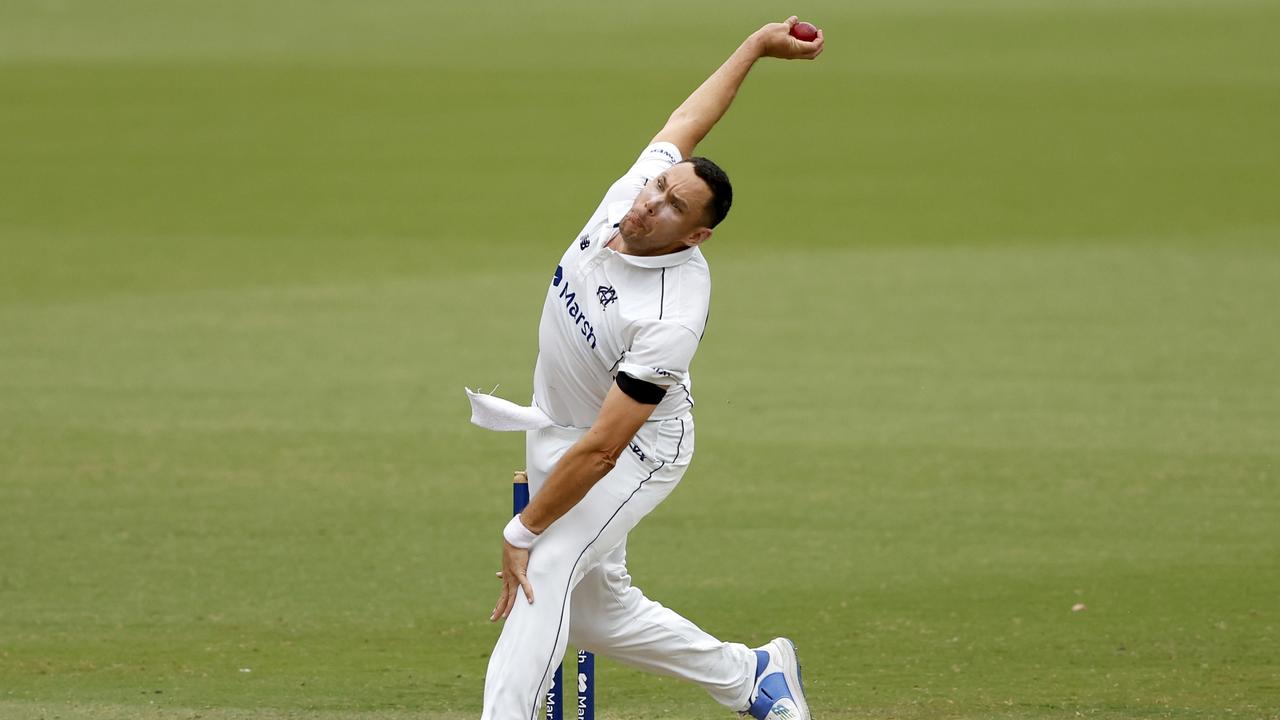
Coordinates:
<point>703,109</point>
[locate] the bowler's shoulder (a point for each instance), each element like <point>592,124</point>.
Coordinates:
<point>687,293</point>
<point>695,271</point>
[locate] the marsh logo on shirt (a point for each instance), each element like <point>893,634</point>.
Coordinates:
<point>570,298</point>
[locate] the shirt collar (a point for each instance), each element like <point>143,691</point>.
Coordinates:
<point>658,261</point>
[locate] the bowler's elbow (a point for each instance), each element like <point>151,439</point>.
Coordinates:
<point>604,455</point>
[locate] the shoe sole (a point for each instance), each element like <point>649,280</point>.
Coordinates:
<point>791,670</point>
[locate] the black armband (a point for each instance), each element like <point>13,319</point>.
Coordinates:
<point>642,391</point>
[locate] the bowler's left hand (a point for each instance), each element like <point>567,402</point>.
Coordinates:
<point>515,564</point>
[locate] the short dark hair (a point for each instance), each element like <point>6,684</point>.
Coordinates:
<point>721,190</point>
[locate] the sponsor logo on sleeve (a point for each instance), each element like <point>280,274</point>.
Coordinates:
<point>665,153</point>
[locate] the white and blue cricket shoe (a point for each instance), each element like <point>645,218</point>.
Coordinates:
<point>778,694</point>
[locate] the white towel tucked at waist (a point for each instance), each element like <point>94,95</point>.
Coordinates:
<point>493,413</point>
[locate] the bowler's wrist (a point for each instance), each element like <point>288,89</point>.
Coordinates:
<point>518,535</point>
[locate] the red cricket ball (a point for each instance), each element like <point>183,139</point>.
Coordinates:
<point>804,31</point>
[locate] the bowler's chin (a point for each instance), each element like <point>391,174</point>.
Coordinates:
<point>629,229</point>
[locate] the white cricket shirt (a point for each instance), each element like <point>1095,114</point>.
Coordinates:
<point>607,312</point>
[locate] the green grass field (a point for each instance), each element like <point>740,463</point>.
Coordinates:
<point>995,332</point>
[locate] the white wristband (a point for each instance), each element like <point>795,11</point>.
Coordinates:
<point>518,535</point>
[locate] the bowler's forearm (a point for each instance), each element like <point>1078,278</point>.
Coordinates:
<point>695,117</point>
<point>576,473</point>
<point>592,457</point>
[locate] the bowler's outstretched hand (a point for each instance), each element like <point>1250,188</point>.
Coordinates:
<point>776,41</point>
<point>515,564</point>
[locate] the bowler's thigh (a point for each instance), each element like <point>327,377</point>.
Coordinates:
<point>576,541</point>
<point>543,449</point>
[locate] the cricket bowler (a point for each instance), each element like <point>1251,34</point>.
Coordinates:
<point>611,429</point>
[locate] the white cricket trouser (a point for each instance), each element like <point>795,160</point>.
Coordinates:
<point>583,594</point>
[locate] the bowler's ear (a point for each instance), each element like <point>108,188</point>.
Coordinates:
<point>697,237</point>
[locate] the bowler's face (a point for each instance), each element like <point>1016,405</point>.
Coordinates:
<point>668,213</point>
